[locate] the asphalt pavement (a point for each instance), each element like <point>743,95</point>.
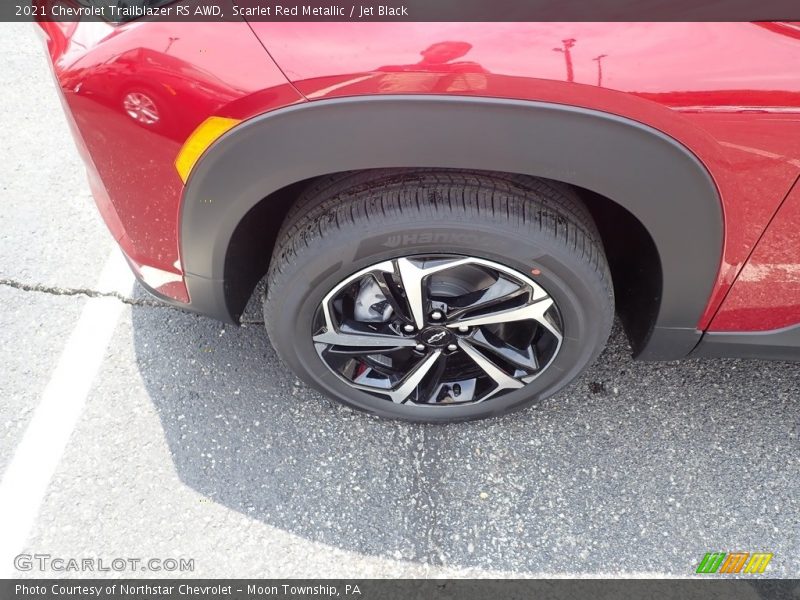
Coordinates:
<point>194,441</point>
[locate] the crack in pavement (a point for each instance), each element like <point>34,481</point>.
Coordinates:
<point>90,293</point>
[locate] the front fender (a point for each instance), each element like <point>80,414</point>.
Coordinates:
<point>647,172</point>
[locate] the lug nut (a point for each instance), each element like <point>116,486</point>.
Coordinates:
<point>420,347</point>
<point>463,328</point>
<point>452,347</point>
<point>408,328</point>
<point>436,315</point>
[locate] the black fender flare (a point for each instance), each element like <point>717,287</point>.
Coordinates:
<point>647,172</point>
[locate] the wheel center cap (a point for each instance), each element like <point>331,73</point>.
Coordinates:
<point>435,336</point>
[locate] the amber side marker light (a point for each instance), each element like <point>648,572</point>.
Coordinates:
<point>206,134</point>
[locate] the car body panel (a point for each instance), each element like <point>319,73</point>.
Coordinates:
<point>728,92</point>
<point>463,133</point>
<point>766,294</point>
<point>131,165</point>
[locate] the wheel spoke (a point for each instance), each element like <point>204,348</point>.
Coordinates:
<point>392,298</point>
<point>409,383</point>
<point>535,312</point>
<point>503,380</point>
<point>498,293</point>
<point>426,392</point>
<point>149,113</point>
<point>520,359</point>
<point>413,277</point>
<point>362,340</point>
<point>333,336</point>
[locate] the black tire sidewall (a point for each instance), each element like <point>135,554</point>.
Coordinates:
<point>582,296</point>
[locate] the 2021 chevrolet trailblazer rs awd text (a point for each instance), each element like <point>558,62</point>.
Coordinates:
<point>449,215</point>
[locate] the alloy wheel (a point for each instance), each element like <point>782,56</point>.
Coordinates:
<point>141,108</point>
<point>437,330</point>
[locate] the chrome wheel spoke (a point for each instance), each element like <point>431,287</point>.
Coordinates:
<point>531,312</point>
<point>371,341</point>
<point>501,292</point>
<point>392,297</point>
<point>412,276</point>
<point>149,113</point>
<point>425,392</point>
<point>518,358</point>
<point>400,393</point>
<point>502,380</point>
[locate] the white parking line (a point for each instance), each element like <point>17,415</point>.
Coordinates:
<point>36,457</point>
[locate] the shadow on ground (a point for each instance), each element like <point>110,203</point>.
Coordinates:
<point>637,467</point>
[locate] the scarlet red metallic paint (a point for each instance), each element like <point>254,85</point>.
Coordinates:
<point>729,92</point>
<point>131,165</point>
<point>767,292</point>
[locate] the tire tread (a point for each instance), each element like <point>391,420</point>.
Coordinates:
<point>341,201</point>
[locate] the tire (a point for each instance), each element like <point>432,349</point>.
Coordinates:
<point>352,249</point>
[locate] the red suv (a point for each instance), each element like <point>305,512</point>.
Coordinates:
<point>448,215</point>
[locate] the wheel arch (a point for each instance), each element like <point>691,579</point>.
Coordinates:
<point>255,170</point>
